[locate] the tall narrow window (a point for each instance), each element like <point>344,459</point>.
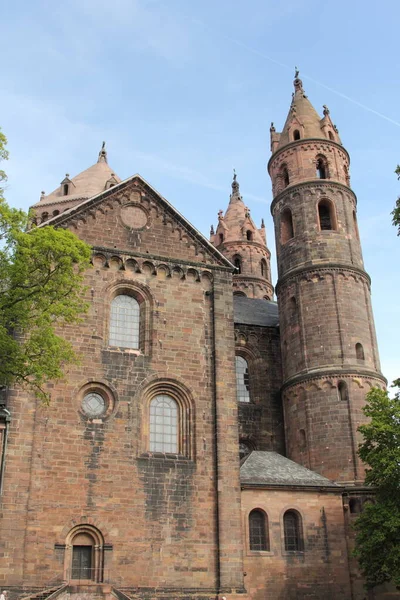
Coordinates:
<point>164,424</point>
<point>331,136</point>
<point>263,268</point>
<point>221,238</point>
<point>237,261</point>
<point>355,225</point>
<point>285,176</point>
<point>249,235</point>
<point>292,531</point>
<point>326,215</point>
<point>296,134</point>
<point>258,531</point>
<point>322,171</point>
<point>65,189</point>
<point>124,322</point>
<point>342,391</point>
<point>286,226</point>
<point>242,380</point>
<point>360,352</point>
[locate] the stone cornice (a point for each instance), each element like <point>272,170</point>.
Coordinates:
<point>335,488</point>
<point>335,371</point>
<point>251,244</point>
<point>307,140</point>
<point>110,252</point>
<point>313,183</point>
<point>320,268</point>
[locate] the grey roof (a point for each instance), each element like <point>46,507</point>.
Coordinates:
<point>271,468</point>
<point>252,311</point>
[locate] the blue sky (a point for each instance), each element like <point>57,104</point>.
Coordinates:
<point>182,92</point>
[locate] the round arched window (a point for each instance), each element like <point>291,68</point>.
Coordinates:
<point>94,405</point>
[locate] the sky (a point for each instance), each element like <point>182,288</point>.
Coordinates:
<point>183,92</point>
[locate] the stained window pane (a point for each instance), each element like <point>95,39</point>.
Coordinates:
<point>124,322</point>
<point>242,380</point>
<point>163,424</point>
<point>257,531</point>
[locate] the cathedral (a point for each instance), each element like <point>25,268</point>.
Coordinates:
<point>205,448</point>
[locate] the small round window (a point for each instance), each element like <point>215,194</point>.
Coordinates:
<point>94,405</point>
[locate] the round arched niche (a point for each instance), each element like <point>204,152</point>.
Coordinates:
<point>134,216</point>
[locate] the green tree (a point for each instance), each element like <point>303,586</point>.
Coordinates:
<point>378,527</point>
<point>396,212</point>
<point>41,291</point>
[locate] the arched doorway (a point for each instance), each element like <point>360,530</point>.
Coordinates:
<point>82,557</point>
<point>85,554</point>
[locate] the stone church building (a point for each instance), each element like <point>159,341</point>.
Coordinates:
<point>206,446</point>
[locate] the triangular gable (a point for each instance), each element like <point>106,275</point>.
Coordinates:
<point>127,213</point>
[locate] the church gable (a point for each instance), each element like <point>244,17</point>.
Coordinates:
<point>133,218</point>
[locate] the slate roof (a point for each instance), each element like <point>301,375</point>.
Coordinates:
<point>254,311</point>
<point>273,469</point>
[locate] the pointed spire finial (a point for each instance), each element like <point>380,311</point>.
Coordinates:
<point>272,128</point>
<point>103,154</point>
<point>298,84</point>
<point>235,183</point>
<point>326,110</point>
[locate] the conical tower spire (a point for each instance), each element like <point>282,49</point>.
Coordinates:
<point>239,239</point>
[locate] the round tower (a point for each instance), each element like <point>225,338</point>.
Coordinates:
<point>329,349</point>
<point>245,246</point>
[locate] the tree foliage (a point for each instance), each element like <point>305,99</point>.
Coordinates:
<point>378,527</point>
<point>396,211</point>
<point>41,290</point>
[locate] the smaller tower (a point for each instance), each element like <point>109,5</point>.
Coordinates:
<point>238,238</point>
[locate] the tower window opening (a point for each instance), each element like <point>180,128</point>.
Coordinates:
<point>331,136</point>
<point>326,216</point>
<point>263,268</point>
<point>249,235</point>
<point>360,352</point>
<point>237,261</point>
<point>287,232</point>
<point>221,238</point>
<point>355,506</point>
<point>296,134</point>
<point>355,225</point>
<point>65,189</point>
<point>322,171</point>
<point>285,176</point>
<point>342,391</point>
<point>258,524</point>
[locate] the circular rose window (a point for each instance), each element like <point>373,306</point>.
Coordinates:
<point>94,405</point>
<point>133,216</point>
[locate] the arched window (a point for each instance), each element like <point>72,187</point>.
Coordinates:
<point>65,189</point>
<point>242,380</point>
<point>55,213</point>
<point>221,238</point>
<point>249,235</point>
<point>302,439</point>
<point>264,271</point>
<point>321,168</point>
<point>258,531</point>
<point>292,531</point>
<point>360,352</point>
<point>44,216</point>
<point>285,176</point>
<point>326,216</point>
<point>331,136</point>
<point>287,231</point>
<point>237,261</point>
<point>239,294</point>
<point>355,225</point>
<point>342,391</point>
<point>296,134</point>
<point>164,424</point>
<point>124,322</point>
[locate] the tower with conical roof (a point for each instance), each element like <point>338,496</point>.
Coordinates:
<point>238,238</point>
<point>329,349</point>
<point>72,191</point>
